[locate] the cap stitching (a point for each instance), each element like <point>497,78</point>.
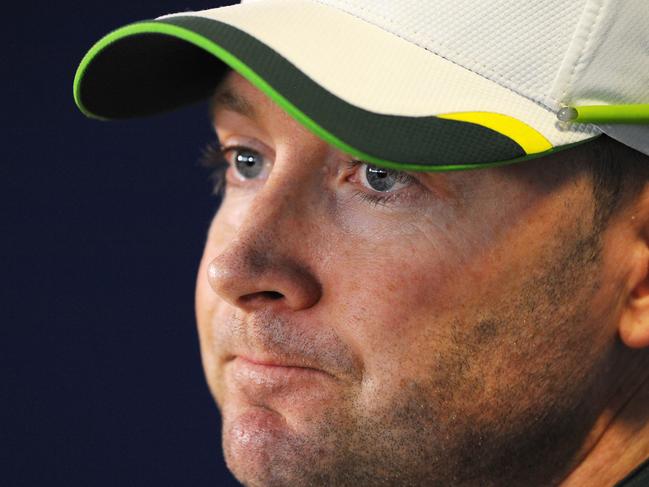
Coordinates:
<point>584,48</point>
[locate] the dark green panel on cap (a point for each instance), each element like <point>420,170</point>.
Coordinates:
<point>145,74</point>
<point>151,67</point>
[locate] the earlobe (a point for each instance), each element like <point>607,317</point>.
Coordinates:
<point>634,325</point>
<point>634,329</point>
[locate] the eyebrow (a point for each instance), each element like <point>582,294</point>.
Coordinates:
<point>226,99</point>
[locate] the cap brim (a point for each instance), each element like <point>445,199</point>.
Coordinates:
<point>360,88</point>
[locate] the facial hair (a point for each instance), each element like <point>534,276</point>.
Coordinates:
<point>463,425</point>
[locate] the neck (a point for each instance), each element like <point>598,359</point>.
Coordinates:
<point>619,440</point>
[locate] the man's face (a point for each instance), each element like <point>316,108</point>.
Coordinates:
<point>453,335</point>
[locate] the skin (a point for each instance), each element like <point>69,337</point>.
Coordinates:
<point>480,332</point>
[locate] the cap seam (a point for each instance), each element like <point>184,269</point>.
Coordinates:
<point>586,44</point>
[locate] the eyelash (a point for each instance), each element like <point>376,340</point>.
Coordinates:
<point>214,158</point>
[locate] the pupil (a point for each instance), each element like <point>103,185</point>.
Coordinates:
<point>380,179</point>
<point>245,162</point>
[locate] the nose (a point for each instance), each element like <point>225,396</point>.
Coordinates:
<point>251,280</point>
<point>266,261</point>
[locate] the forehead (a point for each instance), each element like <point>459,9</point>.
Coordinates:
<point>233,93</point>
<point>236,94</point>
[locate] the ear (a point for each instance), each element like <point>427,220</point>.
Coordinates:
<point>634,324</point>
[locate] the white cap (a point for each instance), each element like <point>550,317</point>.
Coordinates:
<point>409,84</point>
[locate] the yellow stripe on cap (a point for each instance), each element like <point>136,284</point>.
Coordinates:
<point>531,140</point>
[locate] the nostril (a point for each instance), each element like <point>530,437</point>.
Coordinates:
<point>273,294</point>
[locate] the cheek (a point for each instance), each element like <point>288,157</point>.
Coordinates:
<point>204,296</point>
<point>204,307</point>
<point>206,301</point>
<point>393,302</point>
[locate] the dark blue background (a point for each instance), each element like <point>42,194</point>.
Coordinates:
<point>102,231</point>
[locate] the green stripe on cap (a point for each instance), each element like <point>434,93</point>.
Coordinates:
<point>629,114</point>
<point>151,67</point>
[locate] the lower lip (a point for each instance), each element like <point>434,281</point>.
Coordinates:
<point>260,381</point>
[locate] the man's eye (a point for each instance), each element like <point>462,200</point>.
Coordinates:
<point>383,180</point>
<point>247,163</point>
<point>383,184</point>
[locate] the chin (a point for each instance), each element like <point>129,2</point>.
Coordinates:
<point>261,448</point>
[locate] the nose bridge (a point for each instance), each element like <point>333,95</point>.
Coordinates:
<point>263,259</point>
<point>288,200</point>
<point>277,213</point>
